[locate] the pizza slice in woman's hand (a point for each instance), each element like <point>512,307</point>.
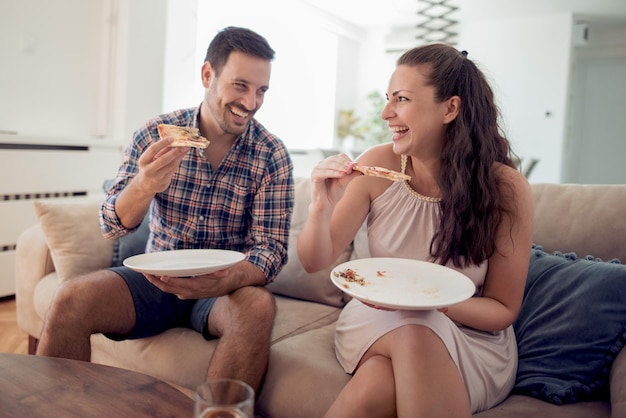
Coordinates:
<point>382,172</point>
<point>183,136</point>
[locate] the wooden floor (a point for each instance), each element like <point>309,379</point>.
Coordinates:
<point>12,340</point>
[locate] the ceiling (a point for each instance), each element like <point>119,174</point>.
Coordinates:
<point>370,13</point>
<point>395,13</point>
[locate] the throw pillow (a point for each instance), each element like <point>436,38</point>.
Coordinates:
<point>295,282</point>
<point>571,326</point>
<point>131,244</point>
<point>73,234</point>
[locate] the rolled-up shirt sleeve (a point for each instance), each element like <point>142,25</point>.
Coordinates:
<point>110,224</point>
<point>269,233</point>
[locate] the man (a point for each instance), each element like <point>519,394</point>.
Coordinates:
<point>237,194</point>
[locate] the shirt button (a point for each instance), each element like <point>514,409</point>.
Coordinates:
<point>201,218</point>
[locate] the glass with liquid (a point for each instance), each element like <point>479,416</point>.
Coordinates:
<point>224,398</point>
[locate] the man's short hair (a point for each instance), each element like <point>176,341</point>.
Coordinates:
<point>239,39</point>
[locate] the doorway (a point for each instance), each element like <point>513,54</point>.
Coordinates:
<point>595,149</point>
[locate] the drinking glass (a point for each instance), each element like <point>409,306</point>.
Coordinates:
<point>224,398</point>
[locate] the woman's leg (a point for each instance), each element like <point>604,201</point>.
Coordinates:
<point>428,383</point>
<point>370,392</point>
<point>408,372</point>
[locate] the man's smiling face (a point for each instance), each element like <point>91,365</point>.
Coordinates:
<point>237,92</point>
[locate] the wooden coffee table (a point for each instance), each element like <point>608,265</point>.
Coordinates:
<point>32,386</point>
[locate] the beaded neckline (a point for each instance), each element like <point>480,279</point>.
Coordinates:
<point>404,159</point>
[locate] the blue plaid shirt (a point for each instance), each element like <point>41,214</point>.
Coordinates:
<point>244,205</point>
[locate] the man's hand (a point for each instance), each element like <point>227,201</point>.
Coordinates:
<point>215,284</point>
<point>197,287</point>
<point>158,164</point>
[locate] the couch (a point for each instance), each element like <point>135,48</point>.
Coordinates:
<point>571,328</point>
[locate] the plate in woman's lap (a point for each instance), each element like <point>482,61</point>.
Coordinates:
<point>400,283</point>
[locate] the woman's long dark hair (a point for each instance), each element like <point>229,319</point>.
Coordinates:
<point>471,204</point>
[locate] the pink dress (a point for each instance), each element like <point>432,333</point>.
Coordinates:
<point>403,223</point>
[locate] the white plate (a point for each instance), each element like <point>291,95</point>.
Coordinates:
<point>400,283</point>
<point>183,263</point>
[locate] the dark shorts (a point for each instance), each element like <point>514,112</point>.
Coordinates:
<point>157,311</point>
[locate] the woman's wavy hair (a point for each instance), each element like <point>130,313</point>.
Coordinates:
<point>471,205</point>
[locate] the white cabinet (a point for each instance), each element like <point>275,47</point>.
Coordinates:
<point>43,169</point>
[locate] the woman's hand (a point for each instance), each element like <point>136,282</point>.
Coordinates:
<point>329,179</point>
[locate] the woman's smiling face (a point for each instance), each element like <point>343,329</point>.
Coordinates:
<point>417,120</point>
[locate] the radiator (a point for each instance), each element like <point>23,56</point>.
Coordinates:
<point>34,169</point>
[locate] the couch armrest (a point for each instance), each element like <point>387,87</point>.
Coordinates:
<point>618,386</point>
<point>32,263</point>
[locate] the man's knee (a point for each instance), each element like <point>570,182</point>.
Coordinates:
<point>81,296</point>
<point>67,297</point>
<point>248,308</point>
<point>259,302</point>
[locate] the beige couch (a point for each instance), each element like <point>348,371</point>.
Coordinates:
<point>304,376</point>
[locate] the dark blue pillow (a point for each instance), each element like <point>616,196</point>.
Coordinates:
<point>571,326</point>
<point>133,243</point>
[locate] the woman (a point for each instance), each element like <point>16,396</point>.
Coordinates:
<point>465,207</point>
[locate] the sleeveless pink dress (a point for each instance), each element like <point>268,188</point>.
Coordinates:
<point>401,224</point>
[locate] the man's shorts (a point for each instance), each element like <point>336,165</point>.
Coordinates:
<point>157,311</point>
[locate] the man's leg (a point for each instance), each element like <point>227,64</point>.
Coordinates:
<point>89,304</point>
<point>243,322</point>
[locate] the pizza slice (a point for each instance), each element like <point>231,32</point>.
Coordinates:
<point>382,172</point>
<point>183,136</point>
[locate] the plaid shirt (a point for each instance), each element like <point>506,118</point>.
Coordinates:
<point>244,205</point>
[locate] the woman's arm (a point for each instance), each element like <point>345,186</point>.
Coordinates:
<point>338,208</point>
<point>503,289</point>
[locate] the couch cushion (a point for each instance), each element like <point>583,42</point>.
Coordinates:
<point>304,376</point>
<point>293,281</point>
<point>518,406</point>
<point>160,356</point>
<point>310,315</point>
<point>178,355</point>
<point>73,234</point>
<point>571,326</point>
<point>588,218</point>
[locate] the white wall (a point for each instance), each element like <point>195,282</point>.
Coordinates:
<point>75,69</point>
<point>182,87</point>
<point>375,66</point>
<point>527,60</point>
<point>52,64</point>
<point>143,64</point>
<point>101,68</point>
